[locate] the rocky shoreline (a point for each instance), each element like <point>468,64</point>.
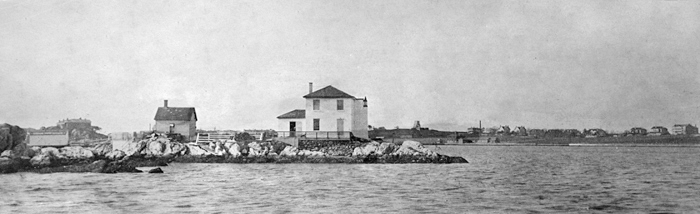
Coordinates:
<point>158,150</point>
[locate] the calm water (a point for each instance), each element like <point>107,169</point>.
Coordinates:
<point>499,179</point>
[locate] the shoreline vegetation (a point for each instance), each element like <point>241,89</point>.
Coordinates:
<point>159,150</point>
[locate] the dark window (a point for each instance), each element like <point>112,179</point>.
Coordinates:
<point>340,104</point>
<point>317,124</point>
<point>317,104</point>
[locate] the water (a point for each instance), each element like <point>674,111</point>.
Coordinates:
<point>499,179</point>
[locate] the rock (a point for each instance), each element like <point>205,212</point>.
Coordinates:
<point>10,136</point>
<point>156,147</point>
<point>23,151</point>
<point>135,148</point>
<point>6,154</point>
<point>278,147</point>
<point>96,166</point>
<point>102,149</point>
<point>76,152</point>
<point>36,149</point>
<point>289,151</point>
<point>174,149</point>
<point>7,165</point>
<point>254,149</point>
<point>234,150</point>
<point>156,170</point>
<point>386,148</point>
<point>458,160</point>
<point>196,150</point>
<point>370,148</point>
<point>51,152</point>
<point>358,151</point>
<point>219,149</point>
<point>116,155</point>
<point>373,148</point>
<point>413,148</point>
<point>40,160</point>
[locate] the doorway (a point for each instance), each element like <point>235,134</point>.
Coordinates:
<point>341,127</point>
<point>292,128</point>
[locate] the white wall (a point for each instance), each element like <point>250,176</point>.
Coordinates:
<point>329,114</point>
<point>284,124</point>
<point>354,115</point>
<point>185,128</point>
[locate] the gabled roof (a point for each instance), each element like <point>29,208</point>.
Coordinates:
<point>294,114</point>
<point>176,113</point>
<point>328,92</point>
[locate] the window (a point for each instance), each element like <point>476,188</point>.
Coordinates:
<point>317,104</point>
<point>340,104</point>
<point>317,124</point>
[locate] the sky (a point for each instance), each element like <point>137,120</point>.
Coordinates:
<point>448,64</point>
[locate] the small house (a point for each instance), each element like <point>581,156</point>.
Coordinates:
<point>638,131</point>
<point>658,130</point>
<point>176,120</point>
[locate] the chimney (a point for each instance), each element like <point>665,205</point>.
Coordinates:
<point>165,103</point>
<point>311,87</point>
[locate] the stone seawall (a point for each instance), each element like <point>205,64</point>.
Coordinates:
<point>331,147</point>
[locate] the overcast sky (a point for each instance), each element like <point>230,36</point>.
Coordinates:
<point>449,64</point>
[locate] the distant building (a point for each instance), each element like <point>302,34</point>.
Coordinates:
<point>684,129</point>
<point>503,130</point>
<point>474,131</point>
<point>658,130</point>
<point>329,113</point>
<point>520,131</point>
<point>70,124</point>
<point>638,131</point>
<point>595,133</point>
<point>180,120</point>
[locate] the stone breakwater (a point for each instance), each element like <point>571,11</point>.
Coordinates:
<point>158,150</point>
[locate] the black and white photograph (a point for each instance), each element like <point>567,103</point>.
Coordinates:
<point>349,106</point>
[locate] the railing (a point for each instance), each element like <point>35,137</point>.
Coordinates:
<point>212,137</point>
<point>315,134</point>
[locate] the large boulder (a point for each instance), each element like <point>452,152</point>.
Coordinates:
<point>219,149</point>
<point>386,148</point>
<point>196,150</point>
<point>156,147</point>
<point>6,154</point>
<point>358,151</point>
<point>116,155</point>
<point>374,148</point>
<point>7,165</point>
<point>289,151</point>
<point>51,152</point>
<point>414,148</point>
<point>102,149</point>
<point>174,149</point>
<point>23,151</point>
<point>76,152</point>
<point>40,160</point>
<point>10,136</point>
<point>234,149</point>
<point>134,148</point>
<point>254,149</point>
